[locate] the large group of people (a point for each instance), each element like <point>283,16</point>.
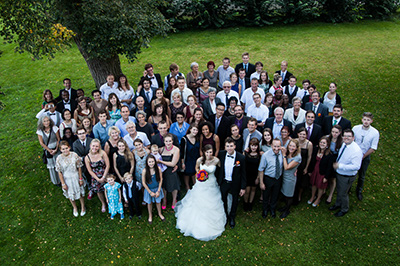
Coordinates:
<point>247,129</point>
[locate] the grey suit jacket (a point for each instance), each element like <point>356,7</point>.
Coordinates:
<point>207,107</point>
<point>78,148</point>
<point>321,112</point>
<point>256,134</point>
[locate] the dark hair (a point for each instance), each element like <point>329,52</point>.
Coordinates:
<point>192,125</point>
<point>137,140</point>
<point>232,98</point>
<point>241,69</point>
<point>127,153</point>
<point>66,80</point>
<point>368,114</point>
<point>63,113</point>
<point>206,123</point>
<point>64,143</point>
<point>204,149</point>
<point>253,141</point>
<point>145,79</point>
<point>287,129</point>
<point>327,150</point>
<point>126,82</point>
<point>313,86</point>
<point>173,66</point>
<point>80,99</point>
<point>180,113</point>
<point>102,112</point>
<point>259,63</point>
<point>310,112</point>
<point>293,77</point>
<point>81,128</point>
<point>210,63</point>
<point>109,105</point>
<point>230,140</point>
<point>156,169</point>
<point>306,81</point>
<point>164,112</point>
<point>338,105</point>
<point>124,106</point>
<point>319,94</point>
<point>339,140</point>
<point>64,91</point>
<point>262,72</point>
<point>203,79</point>
<point>226,58</point>
<point>348,130</point>
<point>147,66</point>
<point>95,91</point>
<point>263,141</point>
<point>252,119</point>
<point>256,79</point>
<point>221,104</point>
<point>44,93</point>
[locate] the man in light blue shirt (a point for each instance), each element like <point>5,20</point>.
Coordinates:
<point>100,130</point>
<point>224,72</point>
<point>125,118</point>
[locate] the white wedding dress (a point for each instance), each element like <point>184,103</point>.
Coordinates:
<point>200,214</point>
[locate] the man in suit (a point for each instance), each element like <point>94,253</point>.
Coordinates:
<point>336,119</point>
<point>284,73</point>
<point>307,96</point>
<point>140,106</point>
<point>131,194</point>
<point>67,87</point>
<point>66,103</point>
<point>314,131</point>
<point>243,80</point>
<point>277,122</point>
<point>248,68</point>
<point>210,103</point>
<point>174,72</point>
<point>147,92</point>
<point>239,119</point>
<point>320,109</point>
<point>227,93</point>
<point>292,90</point>
<point>269,173</point>
<point>250,132</point>
<point>221,123</point>
<point>154,78</point>
<point>231,178</point>
<point>50,111</point>
<point>159,137</point>
<point>81,146</point>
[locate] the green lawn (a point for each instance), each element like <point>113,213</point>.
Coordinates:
<point>37,225</point>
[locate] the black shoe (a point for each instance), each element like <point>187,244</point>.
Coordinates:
<point>139,217</point>
<point>284,214</point>
<point>250,206</point>
<point>359,195</point>
<point>328,202</point>
<point>264,214</point>
<point>334,207</point>
<point>273,213</point>
<point>232,223</point>
<point>340,214</point>
<point>245,206</point>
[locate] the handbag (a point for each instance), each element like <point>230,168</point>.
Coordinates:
<point>46,154</point>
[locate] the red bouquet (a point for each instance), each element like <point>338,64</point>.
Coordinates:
<point>202,176</point>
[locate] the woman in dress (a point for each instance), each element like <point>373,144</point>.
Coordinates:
<point>68,166</point>
<point>180,127</point>
<point>252,159</point>
<point>208,137</point>
<point>336,142</point>
<point>192,105</point>
<point>69,137</point>
<point>266,141</point>
<point>202,91</point>
<point>88,125</point>
<point>170,155</point>
<point>176,106</point>
<point>291,160</point>
<point>140,153</point>
<point>200,214</point>
<point>97,165</point>
<point>235,84</point>
<point>47,97</point>
<point>68,122</point>
<point>98,104</point>
<point>285,138</point>
<point>125,91</point>
<point>264,82</point>
<point>158,116</point>
<point>211,74</point>
<point>331,97</point>
<point>321,165</point>
<point>49,137</point>
<point>230,111</point>
<point>84,110</point>
<point>268,102</point>
<point>172,85</point>
<point>306,150</point>
<point>193,78</point>
<point>113,107</point>
<point>111,145</point>
<point>160,99</point>
<point>235,135</point>
<point>190,147</point>
<point>197,117</point>
<point>123,160</point>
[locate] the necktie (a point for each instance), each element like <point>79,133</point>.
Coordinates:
<point>283,75</point>
<point>226,100</point>
<point>277,167</point>
<point>290,90</point>
<point>340,155</point>
<point>245,67</point>
<point>246,144</point>
<point>308,132</point>
<point>182,96</point>
<point>305,93</point>
<point>83,144</point>
<point>314,108</point>
<point>334,122</point>
<point>148,96</point>
<point>216,125</point>
<point>130,190</point>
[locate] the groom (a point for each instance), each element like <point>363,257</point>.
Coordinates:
<point>231,178</point>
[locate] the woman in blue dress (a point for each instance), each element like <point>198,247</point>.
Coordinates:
<point>190,151</point>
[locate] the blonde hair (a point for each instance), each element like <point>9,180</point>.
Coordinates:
<point>126,175</point>
<point>95,141</point>
<point>113,128</point>
<point>177,94</point>
<point>295,141</point>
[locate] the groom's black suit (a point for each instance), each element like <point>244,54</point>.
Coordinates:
<point>238,182</point>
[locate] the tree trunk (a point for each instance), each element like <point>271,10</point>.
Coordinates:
<point>100,68</point>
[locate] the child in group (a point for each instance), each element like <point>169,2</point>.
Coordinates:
<point>130,191</point>
<point>152,183</point>
<point>113,197</point>
<point>157,156</point>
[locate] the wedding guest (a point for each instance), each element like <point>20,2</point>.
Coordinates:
<point>335,138</point>
<point>264,82</point>
<point>49,137</point>
<point>249,133</point>
<point>176,106</point>
<point>314,131</point>
<point>67,87</point>
<point>189,109</point>
<point>291,161</point>
<point>123,160</point>
<point>113,197</point>
<point>331,97</point>
<point>140,106</point>
<point>98,165</point>
<point>266,142</point>
<point>277,122</point>
<point>246,66</point>
<point>67,123</point>
<point>154,77</point>
<point>180,127</point>
<point>88,126</point>
<point>190,151</point>
<point>239,119</point>
<point>69,137</point>
<point>321,166</point>
<point>258,111</point>
<point>247,97</point>
<point>100,130</point>
<point>130,192</point>
<point>109,87</point>
<point>269,174</point>
<point>125,91</point>
<point>268,102</point>
<point>113,108</point>
<point>225,94</point>
<point>140,153</point>
<point>233,78</point>
<point>50,111</point>
<point>143,126</point>
<point>252,159</point>
<point>146,91</point>
<point>208,137</point>
<point>125,118</point>
<point>224,71</point>
<point>159,115</point>
<point>285,102</point>
<point>133,134</point>
<point>98,104</point>
<point>160,137</point>
<point>256,74</point>
<point>197,117</point>
<point>193,78</point>
<point>152,180</point>
<point>306,150</point>
<point>285,137</point>
<point>221,123</point>
<point>277,84</point>
<point>291,90</point>
<point>211,74</point>
<point>170,158</point>
<point>336,119</point>
<point>47,97</point>
<point>174,73</point>
<point>159,99</point>
<point>182,90</point>
<point>111,146</point>
<point>284,73</point>
<point>68,166</point>
<point>230,111</point>
<point>243,80</point>
<point>277,101</point>
<point>81,146</point>
<point>307,98</point>
<point>83,110</point>
<point>202,91</point>
<point>66,103</point>
<point>320,109</point>
<point>172,85</point>
<point>295,115</point>
<point>367,137</point>
<point>237,138</point>
<point>209,104</point>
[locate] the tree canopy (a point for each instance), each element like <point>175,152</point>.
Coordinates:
<point>102,29</point>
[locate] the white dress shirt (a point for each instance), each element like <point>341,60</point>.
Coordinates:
<point>349,160</point>
<point>260,113</point>
<point>276,129</point>
<point>247,97</point>
<point>186,93</point>
<point>229,164</point>
<point>107,90</point>
<point>222,96</point>
<point>139,135</point>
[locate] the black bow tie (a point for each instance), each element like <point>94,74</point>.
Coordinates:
<point>230,156</point>
<point>66,103</point>
<point>52,114</point>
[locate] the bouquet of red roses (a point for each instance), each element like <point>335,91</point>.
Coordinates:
<point>202,176</point>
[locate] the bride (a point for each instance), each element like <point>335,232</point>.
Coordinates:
<point>200,213</point>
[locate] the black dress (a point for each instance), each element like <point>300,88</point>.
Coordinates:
<point>170,179</point>
<point>111,156</point>
<point>252,163</point>
<point>303,180</point>
<point>239,144</point>
<point>123,166</point>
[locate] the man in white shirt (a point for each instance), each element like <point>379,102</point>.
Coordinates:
<point>182,90</point>
<point>133,134</point>
<point>50,111</point>
<point>347,165</point>
<point>224,72</point>
<point>292,90</point>
<point>259,68</point>
<point>125,118</point>
<point>174,72</point>
<point>367,137</point>
<point>110,87</point>
<point>227,93</point>
<point>247,97</point>
<point>259,111</point>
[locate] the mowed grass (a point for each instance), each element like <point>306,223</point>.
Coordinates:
<point>37,225</point>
